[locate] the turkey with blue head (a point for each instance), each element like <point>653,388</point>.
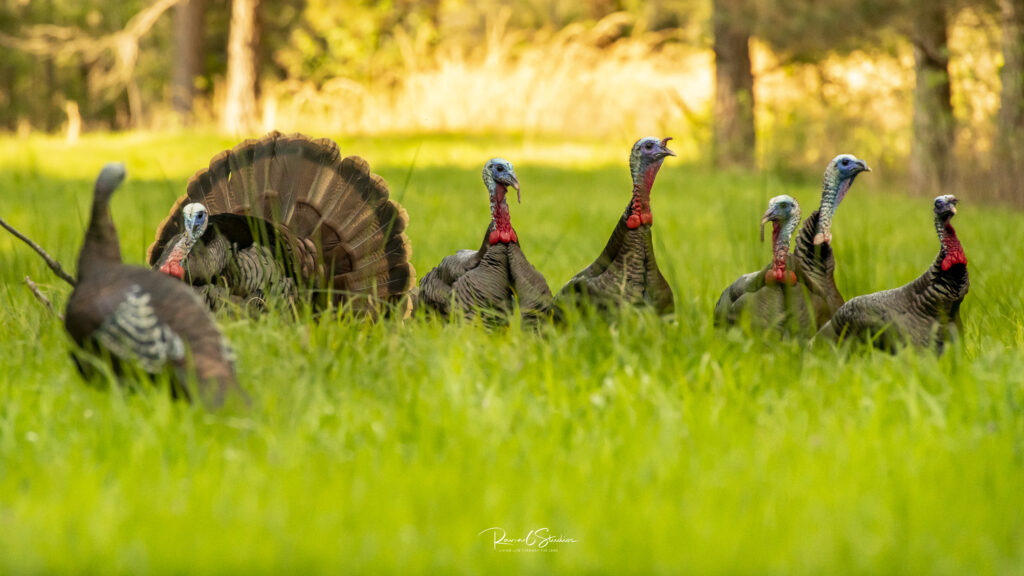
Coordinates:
<point>814,261</point>
<point>626,272</point>
<point>491,281</point>
<point>924,313</point>
<point>770,298</point>
<point>287,216</point>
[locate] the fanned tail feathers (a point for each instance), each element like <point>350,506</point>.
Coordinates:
<point>329,212</point>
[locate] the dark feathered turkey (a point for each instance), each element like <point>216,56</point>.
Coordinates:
<point>813,258</point>
<point>627,272</point>
<point>924,313</point>
<point>287,215</point>
<point>770,299</point>
<point>139,317</point>
<point>489,282</point>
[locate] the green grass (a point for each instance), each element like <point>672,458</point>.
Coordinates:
<point>659,447</point>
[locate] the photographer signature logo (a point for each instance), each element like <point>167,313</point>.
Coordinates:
<point>538,540</point>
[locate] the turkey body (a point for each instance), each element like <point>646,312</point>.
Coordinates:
<point>152,322</point>
<point>779,307</point>
<point>288,216</point>
<point>814,262</point>
<point>815,267</point>
<point>924,313</point>
<point>772,298</point>
<point>140,318</point>
<point>488,282</point>
<point>626,272</point>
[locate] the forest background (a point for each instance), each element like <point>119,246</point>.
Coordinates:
<point>932,92</point>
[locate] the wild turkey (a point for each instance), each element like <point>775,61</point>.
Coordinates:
<point>814,261</point>
<point>288,215</point>
<point>489,281</point>
<point>770,297</point>
<point>626,272</point>
<point>925,312</point>
<point>141,318</point>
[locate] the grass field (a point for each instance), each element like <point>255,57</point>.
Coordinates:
<point>658,447</point>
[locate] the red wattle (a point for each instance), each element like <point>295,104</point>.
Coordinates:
<point>647,218</point>
<point>633,221</point>
<point>954,250</point>
<point>506,236</point>
<point>173,268</point>
<point>952,258</point>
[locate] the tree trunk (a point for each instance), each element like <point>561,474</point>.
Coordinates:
<point>188,55</point>
<point>240,103</point>
<point>1010,147</point>
<point>931,153</point>
<point>734,85</point>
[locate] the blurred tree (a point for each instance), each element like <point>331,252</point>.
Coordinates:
<point>801,31</point>
<point>239,115</point>
<point>188,55</point>
<point>1010,147</point>
<point>931,150</point>
<point>734,138</point>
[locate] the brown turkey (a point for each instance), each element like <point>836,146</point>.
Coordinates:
<point>815,263</point>
<point>287,216</point>
<point>140,318</point>
<point>627,272</point>
<point>924,313</point>
<point>489,282</point>
<point>770,299</point>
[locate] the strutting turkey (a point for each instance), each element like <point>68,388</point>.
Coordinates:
<point>141,318</point>
<point>923,313</point>
<point>287,215</point>
<point>626,272</point>
<point>813,258</point>
<point>772,297</point>
<point>489,282</point>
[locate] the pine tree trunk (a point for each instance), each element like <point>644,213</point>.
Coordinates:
<point>734,85</point>
<point>1010,147</point>
<point>188,55</point>
<point>931,153</point>
<point>240,103</point>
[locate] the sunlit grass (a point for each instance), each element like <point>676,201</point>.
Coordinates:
<point>659,446</point>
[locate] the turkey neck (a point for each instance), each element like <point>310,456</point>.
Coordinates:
<point>952,252</point>
<point>782,232</point>
<point>181,249</point>
<point>101,245</point>
<point>943,283</point>
<point>832,193</point>
<point>501,219</point>
<point>639,210</point>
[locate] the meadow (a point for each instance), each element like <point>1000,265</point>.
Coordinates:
<point>659,447</point>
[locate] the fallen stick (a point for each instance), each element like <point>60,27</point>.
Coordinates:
<point>42,298</point>
<point>53,264</point>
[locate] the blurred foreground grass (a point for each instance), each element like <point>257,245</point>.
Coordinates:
<point>659,447</point>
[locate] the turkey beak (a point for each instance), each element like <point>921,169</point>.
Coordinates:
<point>515,184</point>
<point>664,149</point>
<point>864,166</point>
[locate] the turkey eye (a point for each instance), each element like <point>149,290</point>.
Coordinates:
<point>846,162</point>
<point>501,168</point>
